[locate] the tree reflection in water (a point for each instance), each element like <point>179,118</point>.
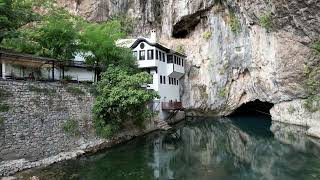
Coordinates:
<point>241,148</point>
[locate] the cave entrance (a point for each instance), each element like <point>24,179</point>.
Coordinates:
<point>256,107</point>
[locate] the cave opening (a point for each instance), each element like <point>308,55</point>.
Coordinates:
<point>256,107</point>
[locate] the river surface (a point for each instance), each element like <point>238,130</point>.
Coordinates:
<point>237,148</point>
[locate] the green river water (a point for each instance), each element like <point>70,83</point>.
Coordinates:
<point>237,148</point>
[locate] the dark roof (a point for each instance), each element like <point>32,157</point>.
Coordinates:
<point>158,45</point>
<point>5,53</point>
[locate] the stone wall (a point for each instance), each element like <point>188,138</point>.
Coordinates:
<point>33,114</point>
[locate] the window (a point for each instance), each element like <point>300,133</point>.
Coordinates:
<point>150,54</point>
<point>175,59</point>
<point>142,55</point>
<point>182,62</point>
<point>164,79</point>
<point>179,62</point>
<point>177,82</point>
<point>169,59</point>
<point>160,79</point>
<point>135,53</point>
<point>157,55</point>
<point>163,57</point>
<point>169,80</point>
<point>142,46</point>
<point>160,57</point>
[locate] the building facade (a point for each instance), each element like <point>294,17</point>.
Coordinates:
<point>167,68</point>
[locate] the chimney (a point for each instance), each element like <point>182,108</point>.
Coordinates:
<point>153,36</point>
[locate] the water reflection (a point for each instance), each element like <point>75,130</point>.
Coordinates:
<point>224,149</point>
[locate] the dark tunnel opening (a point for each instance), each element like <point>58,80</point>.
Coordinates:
<point>254,118</point>
<point>256,107</point>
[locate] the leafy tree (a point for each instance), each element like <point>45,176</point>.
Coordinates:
<point>121,98</point>
<point>14,14</point>
<point>55,36</point>
<point>99,39</point>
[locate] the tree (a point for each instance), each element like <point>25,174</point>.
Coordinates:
<point>121,98</point>
<point>99,39</point>
<point>55,36</point>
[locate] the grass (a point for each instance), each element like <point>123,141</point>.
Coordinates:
<point>71,127</point>
<point>266,21</point>
<point>41,90</point>
<point>75,90</point>
<point>207,35</point>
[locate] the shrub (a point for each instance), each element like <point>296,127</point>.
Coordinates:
<point>180,49</point>
<point>266,21</point>
<point>316,46</point>
<point>75,90</point>
<point>207,35</point>
<point>235,23</point>
<point>222,92</point>
<point>121,98</point>
<point>291,109</point>
<point>1,120</point>
<point>4,93</point>
<point>67,78</point>
<point>4,108</point>
<point>71,127</point>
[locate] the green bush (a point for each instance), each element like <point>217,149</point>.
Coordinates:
<point>266,21</point>
<point>71,127</point>
<point>1,120</point>
<point>316,46</point>
<point>291,109</point>
<point>207,35</point>
<point>4,108</point>
<point>121,98</point>
<point>4,94</point>
<point>75,90</point>
<point>180,49</point>
<point>222,92</point>
<point>235,24</point>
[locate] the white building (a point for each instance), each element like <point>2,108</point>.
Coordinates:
<point>17,66</point>
<point>167,68</point>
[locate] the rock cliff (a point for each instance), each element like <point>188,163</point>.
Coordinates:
<point>238,51</point>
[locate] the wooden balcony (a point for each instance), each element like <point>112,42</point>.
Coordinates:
<point>171,105</point>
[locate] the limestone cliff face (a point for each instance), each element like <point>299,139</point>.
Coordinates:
<point>238,51</point>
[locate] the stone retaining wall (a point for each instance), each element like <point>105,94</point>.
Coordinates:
<point>33,116</point>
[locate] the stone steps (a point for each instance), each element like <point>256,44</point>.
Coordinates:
<point>162,125</point>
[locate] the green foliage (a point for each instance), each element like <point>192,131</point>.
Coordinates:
<point>316,46</point>
<point>222,92</point>
<point>71,126</point>
<point>266,21</point>
<point>235,24</point>
<point>207,35</point>
<point>56,36</point>
<point>41,90</point>
<point>291,109</point>
<point>4,94</point>
<point>121,98</point>
<point>2,120</point>
<point>14,14</point>
<point>128,24</point>
<point>99,39</point>
<point>67,78</point>
<point>180,48</point>
<point>75,90</point>
<point>4,107</point>
<point>312,103</point>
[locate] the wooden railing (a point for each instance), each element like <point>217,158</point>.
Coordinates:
<point>171,105</point>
